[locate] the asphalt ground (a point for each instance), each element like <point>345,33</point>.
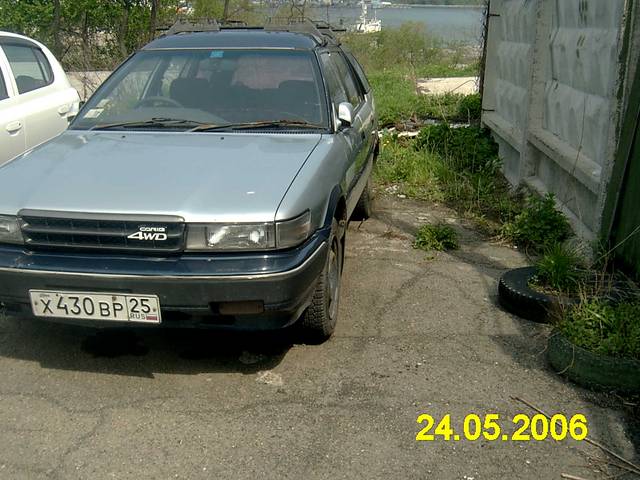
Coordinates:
<point>418,333</point>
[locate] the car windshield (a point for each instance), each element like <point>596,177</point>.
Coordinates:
<point>182,89</point>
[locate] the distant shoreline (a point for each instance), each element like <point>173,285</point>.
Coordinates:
<point>412,5</point>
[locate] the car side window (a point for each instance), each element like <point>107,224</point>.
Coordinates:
<point>30,67</point>
<point>3,87</point>
<point>364,81</point>
<point>346,75</point>
<point>337,90</point>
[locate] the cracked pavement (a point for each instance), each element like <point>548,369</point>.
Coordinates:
<point>417,333</point>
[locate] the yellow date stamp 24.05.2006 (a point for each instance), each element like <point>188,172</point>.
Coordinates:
<point>489,427</point>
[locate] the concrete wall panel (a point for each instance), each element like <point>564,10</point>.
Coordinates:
<point>553,73</point>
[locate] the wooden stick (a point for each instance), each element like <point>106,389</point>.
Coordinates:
<point>571,477</point>
<point>633,467</point>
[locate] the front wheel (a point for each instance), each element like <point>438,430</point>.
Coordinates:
<point>319,320</point>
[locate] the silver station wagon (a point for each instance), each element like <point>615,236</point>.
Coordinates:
<point>208,182</point>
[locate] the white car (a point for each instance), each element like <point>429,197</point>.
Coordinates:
<point>36,99</point>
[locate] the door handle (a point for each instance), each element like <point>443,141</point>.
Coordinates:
<point>64,109</point>
<point>14,126</point>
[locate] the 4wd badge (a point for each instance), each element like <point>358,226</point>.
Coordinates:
<point>156,234</point>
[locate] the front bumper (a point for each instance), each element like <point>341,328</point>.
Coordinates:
<point>191,287</point>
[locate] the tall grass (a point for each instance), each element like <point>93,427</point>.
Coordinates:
<point>477,190</point>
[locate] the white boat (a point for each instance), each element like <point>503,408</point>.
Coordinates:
<point>367,25</point>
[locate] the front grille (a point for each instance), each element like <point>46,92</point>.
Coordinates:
<point>102,232</point>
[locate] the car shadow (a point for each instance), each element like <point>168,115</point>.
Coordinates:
<point>141,352</point>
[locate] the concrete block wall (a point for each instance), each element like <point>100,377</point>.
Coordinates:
<point>551,82</point>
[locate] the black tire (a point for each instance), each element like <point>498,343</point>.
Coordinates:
<point>319,320</point>
<point>515,295</point>
<point>363,207</point>
<point>592,370</point>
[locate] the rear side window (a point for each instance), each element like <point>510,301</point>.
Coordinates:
<point>360,71</point>
<point>3,87</point>
<point>353,92</point>
<point>30,67</point>
<point>332,76</point>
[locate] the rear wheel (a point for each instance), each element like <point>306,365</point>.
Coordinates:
<point>363,208</point>
<point>319,320</point>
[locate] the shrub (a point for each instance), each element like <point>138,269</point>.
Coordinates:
<point>436,237</point>
<point>604,328</point>
<point>409,45</point>
<point>539,226</point>
<point>560,269</point>
<point>471,148</point>
<point>412,48</point>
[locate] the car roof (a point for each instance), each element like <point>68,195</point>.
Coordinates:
<point>16,38</point>
<point>236,38</point>
<point>14,35</point>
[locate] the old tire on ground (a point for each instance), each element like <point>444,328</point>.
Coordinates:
<point>517,297</point>
<point>319,320</point>
<point>363,207</point>
<point>590,369</point>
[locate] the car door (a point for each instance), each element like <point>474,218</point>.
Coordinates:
<point>365,87</point>
<point>363,121</point>
<point>44,111</point>
<point>351,134</point>
<point>12,137</point>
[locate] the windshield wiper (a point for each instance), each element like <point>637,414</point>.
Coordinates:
<point>251,125</point>
<point>158,122</point>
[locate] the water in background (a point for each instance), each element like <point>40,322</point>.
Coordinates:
<point>457,24</point>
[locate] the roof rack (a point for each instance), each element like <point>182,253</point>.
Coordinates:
<point>322,32</point>
<point>191,26</point>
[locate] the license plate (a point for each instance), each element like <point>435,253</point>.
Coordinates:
<point>96,306</point>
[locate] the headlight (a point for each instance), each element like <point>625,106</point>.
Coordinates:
<point>232,236</point>
<point>249,236</point>
<point>10,230</point>
<point>240,236</point>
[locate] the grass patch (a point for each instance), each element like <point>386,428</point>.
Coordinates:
<point>606,328</point>
<point>412,171</point>
<point>397,101</point>
<point>438,237</point>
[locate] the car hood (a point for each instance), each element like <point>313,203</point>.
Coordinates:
<point>202,177</point>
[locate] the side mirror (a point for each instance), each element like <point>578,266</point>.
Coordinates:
<point>345,114</point>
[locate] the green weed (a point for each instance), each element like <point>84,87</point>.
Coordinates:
<point>438,237</point>
<point>606,328</point>
<point>540,225</point>
<point>560,269</point>
<point>470,107</point>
